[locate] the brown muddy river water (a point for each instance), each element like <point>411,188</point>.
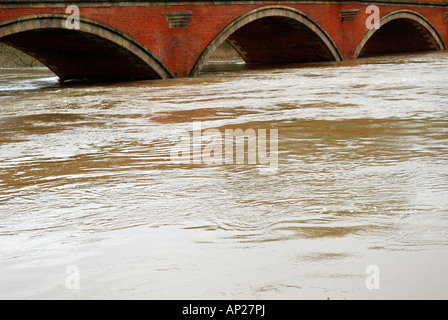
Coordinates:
<point>352,205</point>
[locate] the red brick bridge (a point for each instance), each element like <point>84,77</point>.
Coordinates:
<point>144,39</point>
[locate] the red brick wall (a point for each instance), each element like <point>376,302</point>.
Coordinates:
<point>179,48</point>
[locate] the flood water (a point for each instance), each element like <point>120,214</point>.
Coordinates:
<point>89,188</point>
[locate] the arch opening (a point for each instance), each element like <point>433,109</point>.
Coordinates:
<point>274,35</point>
<point>400,32</point>
<point>92,52</point>
<point>281,40</point>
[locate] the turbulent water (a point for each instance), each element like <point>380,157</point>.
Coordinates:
<point>93,205</point>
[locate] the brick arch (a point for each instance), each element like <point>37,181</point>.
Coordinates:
<point>415,21</point>
<point>270,12</point>
<point>93,51</point>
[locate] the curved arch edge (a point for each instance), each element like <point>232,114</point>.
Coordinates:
<point>53,21</point>
<point>415,16</point>
<point>265,11</point>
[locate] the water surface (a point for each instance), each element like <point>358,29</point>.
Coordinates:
<point>87,180</point>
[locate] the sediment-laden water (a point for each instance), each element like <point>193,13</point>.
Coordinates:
<point>356,207</point>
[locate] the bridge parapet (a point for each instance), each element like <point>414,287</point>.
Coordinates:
<point>433,3</point>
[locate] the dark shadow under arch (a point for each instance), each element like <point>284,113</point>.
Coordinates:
<point>399,32</point>
<point>274,34</point>
<point>93,51</point>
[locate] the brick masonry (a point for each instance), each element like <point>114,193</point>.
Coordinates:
<point>182,33</point>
